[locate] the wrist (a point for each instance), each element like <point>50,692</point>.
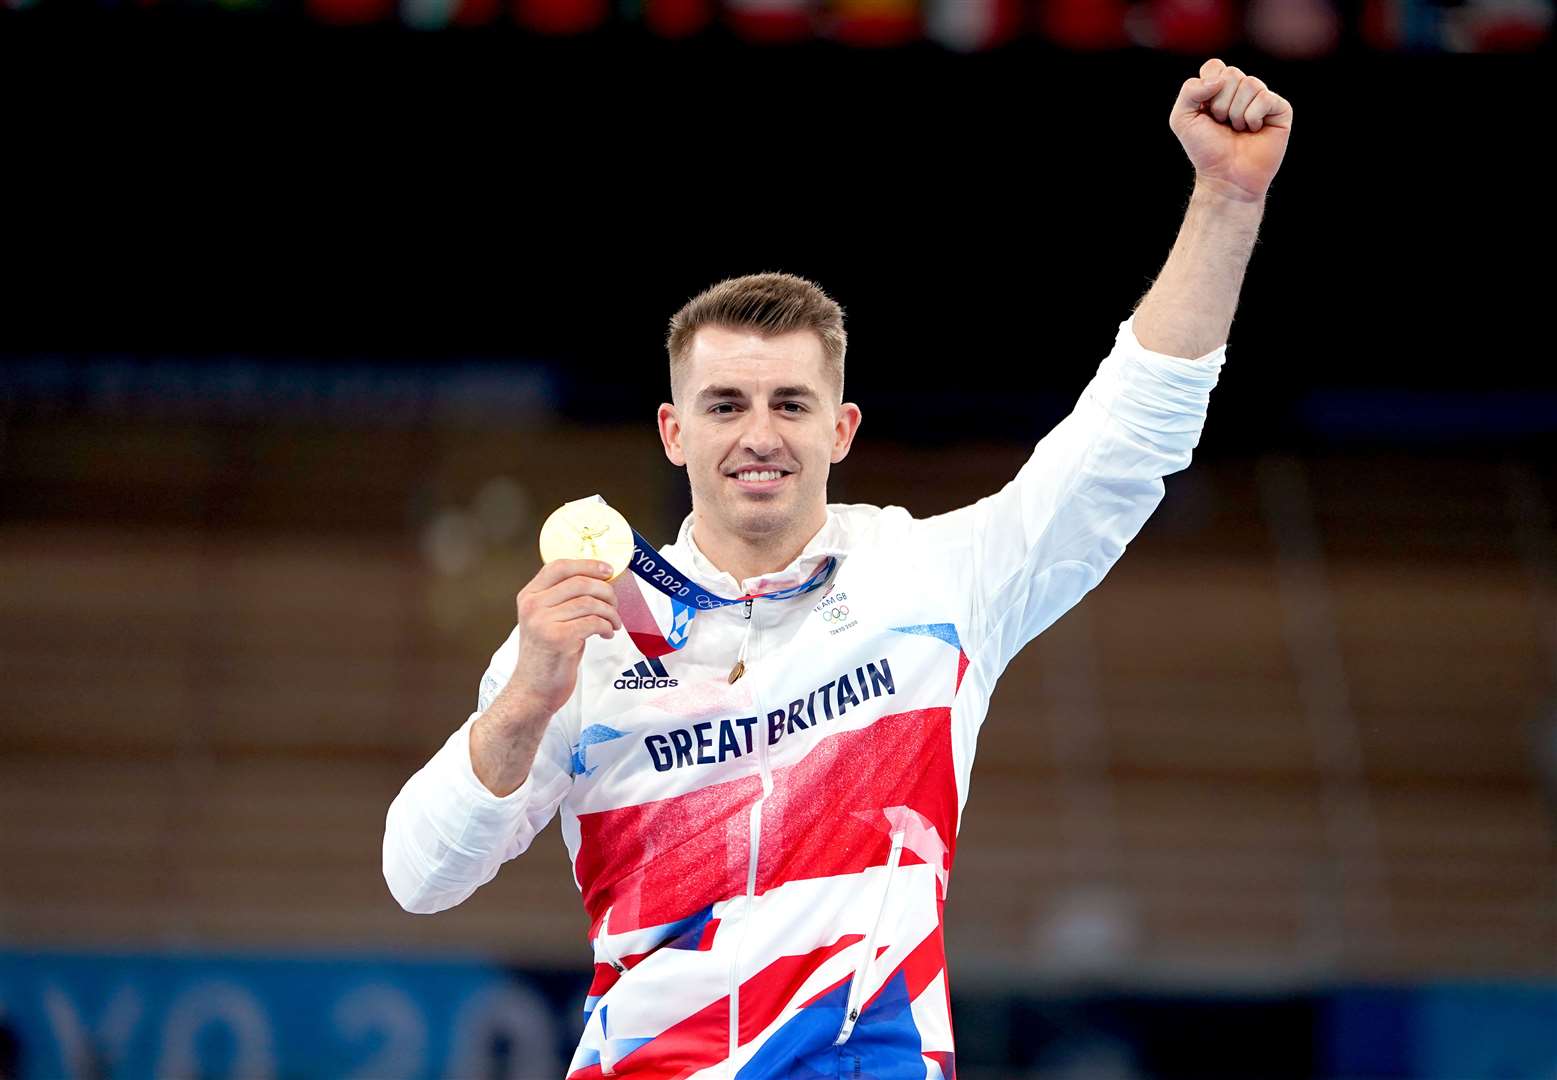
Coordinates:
<point>515,709</point>
<point>1220,194</point>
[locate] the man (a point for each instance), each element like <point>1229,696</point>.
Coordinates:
<point>762,827</point>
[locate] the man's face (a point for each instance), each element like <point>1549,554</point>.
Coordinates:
<point>757,426</point>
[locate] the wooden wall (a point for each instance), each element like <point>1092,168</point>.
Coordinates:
<point>1293,734</point>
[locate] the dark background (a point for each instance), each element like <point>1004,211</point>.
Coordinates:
<point>196,187</point>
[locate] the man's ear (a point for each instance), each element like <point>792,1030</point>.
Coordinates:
<point>670,434</point>
<point>844,429</point>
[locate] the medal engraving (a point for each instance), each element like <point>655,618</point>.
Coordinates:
<point>588,529</point>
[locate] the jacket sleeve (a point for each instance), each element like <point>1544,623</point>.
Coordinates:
<point>1022,557</point>
<point>446,833</point>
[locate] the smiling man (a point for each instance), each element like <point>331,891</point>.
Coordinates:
<point>756,374</point>
<point>761,793</point>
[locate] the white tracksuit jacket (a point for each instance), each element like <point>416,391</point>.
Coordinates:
<point>765,863</point>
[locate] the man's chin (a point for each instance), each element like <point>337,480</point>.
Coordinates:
<point>762,515</point>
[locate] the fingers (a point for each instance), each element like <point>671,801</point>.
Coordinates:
<point>581,607</point>
<point>568,588</point>
<point>1195,91</point>
<point>586,626</point>
<point>560,569</point>
<point>1248,86</point>
<point>1241,101</point>
<point>1222,101</point>
<point>594,624</point>
<point>565,637</point>
<point>1268,109</point>
<point>1193,94</point>
<point>564,592</point>
<point>1217,82</point>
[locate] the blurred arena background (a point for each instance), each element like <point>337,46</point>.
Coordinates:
<point>312,309</point>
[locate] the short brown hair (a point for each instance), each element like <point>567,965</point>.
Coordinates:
<point>769,304</point>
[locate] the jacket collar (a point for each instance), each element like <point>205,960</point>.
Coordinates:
<point>830,540</point>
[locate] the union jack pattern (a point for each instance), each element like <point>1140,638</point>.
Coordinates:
<point>765,864</point>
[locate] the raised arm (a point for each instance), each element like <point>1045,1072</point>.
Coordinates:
<point>1235,131</point>
<point>1020,558</point>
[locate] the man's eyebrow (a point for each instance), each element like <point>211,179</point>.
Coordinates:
<point>734,393</point>
<point>795,392</point>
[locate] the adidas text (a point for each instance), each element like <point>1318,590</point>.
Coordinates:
<point>639,683</point>
<point>645,675</point>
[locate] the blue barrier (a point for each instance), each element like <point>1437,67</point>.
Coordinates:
<point>367,1018</point>
<point>354,1017</point>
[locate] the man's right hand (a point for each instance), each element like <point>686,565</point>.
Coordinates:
<point>566,602</point>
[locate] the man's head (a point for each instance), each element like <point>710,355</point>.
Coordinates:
<point>756,375</point>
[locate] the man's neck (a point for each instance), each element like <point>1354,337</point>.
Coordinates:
<point>744,557</point>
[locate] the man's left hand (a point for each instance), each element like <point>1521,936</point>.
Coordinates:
<point>1234,129</point>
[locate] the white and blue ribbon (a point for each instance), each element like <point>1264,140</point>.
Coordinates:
<point>687,597</point>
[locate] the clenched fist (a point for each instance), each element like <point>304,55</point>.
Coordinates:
<point>566,602</point>
<point>1234,129</point>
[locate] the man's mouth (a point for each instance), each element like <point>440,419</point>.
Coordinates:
<point>759,479</point>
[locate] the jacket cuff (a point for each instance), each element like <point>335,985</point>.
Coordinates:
<point>1159,395</point>
<point>1189,368</point>
<point>475,818</point>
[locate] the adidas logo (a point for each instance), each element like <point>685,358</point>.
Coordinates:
<point>645,675</point>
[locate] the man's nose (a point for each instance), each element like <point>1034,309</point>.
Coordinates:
<point>760,436</point>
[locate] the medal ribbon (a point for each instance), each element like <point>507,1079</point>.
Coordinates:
<point>687,598</point>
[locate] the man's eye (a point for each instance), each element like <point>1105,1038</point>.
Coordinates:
<point>722,407</point>
<point>793,407</point>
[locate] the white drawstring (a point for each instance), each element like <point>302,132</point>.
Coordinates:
<point>862,974</point>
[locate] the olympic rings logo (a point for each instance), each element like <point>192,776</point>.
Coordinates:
<point>836,614</point>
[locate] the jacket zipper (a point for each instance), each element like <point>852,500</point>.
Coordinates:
<point>754,836</point>
<point>862,972</point>
<point>604,949</point>
<point>607,1068</point>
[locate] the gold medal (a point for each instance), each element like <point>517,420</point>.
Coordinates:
<point>588,528</point>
